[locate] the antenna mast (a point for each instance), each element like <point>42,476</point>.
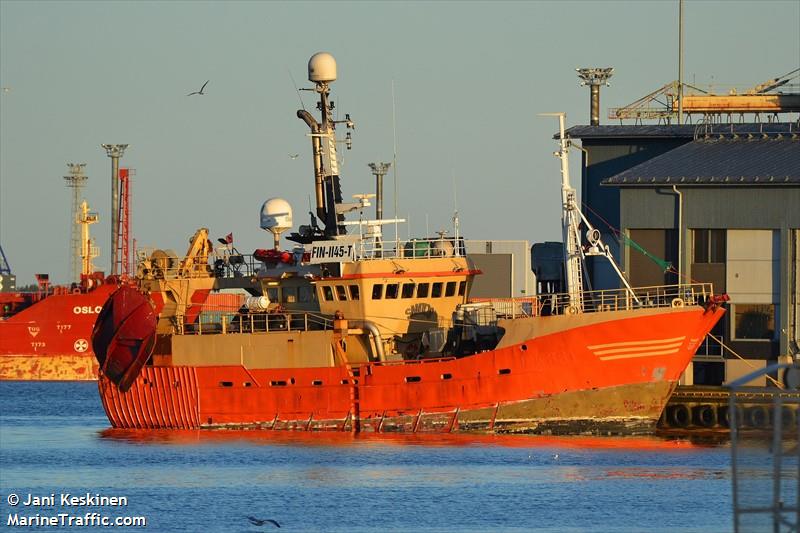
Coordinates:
<point>571,218</point>
<point>322,71</point>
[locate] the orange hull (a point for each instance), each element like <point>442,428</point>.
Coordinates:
<point>51,339</point>
<point>610,375</point>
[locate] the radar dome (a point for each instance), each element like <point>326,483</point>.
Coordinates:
<point>322,67</point>
<point>276,217</point>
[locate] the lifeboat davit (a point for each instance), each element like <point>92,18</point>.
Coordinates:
<point>124,335</point>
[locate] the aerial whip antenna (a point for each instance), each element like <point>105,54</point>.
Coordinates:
<point>299,96</point>
<point>394,166</point>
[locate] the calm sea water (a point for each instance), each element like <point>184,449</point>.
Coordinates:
<point>55,438</point>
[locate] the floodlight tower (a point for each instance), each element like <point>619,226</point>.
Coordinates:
<point>76,180</point>
<point>594,78</point>
<point>115,152</point>
<point>379,170</point>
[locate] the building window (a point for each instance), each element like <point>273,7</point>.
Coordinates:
<point>391,290</point>
<point>436,291</point>
<point>341,293</point>
<point>408,290</point>
<point>377,291</point>
<point>709,246</point>
<point>422,290</point>
<point>354,295</point>
<point>327,293</point>
<point>754,321</point>
<point>450,289</point>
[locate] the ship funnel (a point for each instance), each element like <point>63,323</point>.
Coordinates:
<point>379,170</point>
<point>322,68</point>
<point>594,78</point>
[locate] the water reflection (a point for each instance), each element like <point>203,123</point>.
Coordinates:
<point>334,439</point>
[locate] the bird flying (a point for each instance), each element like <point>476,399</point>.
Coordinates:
<point>259,522</point>
<point>200,92</point>
<point>294,156</point>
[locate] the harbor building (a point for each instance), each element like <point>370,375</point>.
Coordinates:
<point>715,203</point>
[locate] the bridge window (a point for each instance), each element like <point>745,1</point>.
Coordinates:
<point>327,293</point>
<point>422,290</point>
<point>391,290</point>
<point>450,290</point>
<point>408,290</point>
<point>341,293</point>
<point>436,290</point>
<point>377,291</point>
<point>306,294</point>
<point>289,295</point>
<point>354,295</point>
<point>462,288</point>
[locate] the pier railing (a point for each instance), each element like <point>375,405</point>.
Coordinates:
<point>765,462</point>
<point>602,300</point>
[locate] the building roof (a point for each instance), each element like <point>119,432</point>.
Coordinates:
<point>761,160</point>
<point>674,131</point>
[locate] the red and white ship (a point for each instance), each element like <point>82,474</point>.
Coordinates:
<point>356,333</point>
<point>45,335</point>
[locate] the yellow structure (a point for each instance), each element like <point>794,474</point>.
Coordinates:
<point>88,249</point>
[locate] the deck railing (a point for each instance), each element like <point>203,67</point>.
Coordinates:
<point>601,300</point>
<point>257,323</point>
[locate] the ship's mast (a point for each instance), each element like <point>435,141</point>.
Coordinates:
<point>571,218</point>
<point>570,224</point>
<point>322,71</point>
<point>88,249</point>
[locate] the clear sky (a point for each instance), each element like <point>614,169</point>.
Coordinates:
<point>469,80</point>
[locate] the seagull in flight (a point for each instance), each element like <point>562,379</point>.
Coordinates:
<point>258,522</point>
<point>294,156</point>
<point>200,92</point>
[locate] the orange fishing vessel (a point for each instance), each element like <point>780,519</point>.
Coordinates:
<point>355,333</point>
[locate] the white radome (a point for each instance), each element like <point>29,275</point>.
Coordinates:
<point>322,67</point>
<point>276,215</point>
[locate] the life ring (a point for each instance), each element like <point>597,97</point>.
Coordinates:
<point>678,302</point>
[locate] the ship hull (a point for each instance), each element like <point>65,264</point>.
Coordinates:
<point>51,339</point>
<point>597,373</point>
